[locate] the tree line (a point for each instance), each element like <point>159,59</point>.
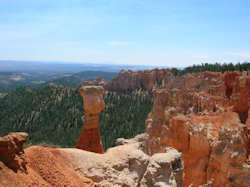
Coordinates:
<point>217,67</point>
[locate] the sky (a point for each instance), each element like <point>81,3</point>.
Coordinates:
<point>146,32</point>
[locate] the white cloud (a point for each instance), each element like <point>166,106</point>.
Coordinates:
<point>119,43</point>
<point>241,54</point>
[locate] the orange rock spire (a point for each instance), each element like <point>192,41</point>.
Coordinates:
<point>90,139</point>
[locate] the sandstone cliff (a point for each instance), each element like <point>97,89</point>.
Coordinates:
<point>147,80</point>
<point>199,117</point>
<point>163,78</point>
<point>198,134</point>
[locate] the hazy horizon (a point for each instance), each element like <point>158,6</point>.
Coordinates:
<point>131,32</point>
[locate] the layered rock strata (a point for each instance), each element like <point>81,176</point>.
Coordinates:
<point>207,126</point>
<point>90,139</point>
<point>164,78</point>
<point>147,80</point>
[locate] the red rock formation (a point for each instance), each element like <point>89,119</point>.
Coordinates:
<point>98,82</point>
<point>200,121</point>
<point>241,97</point>
<point>229,79</point>
<point>164,78</point>
<point>241,102</point>
<point>90,139</point>
<point>35,166</point>
<point>147,80</point>
<point>11,150</point>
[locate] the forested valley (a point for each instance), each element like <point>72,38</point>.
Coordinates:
<point>54,115</point>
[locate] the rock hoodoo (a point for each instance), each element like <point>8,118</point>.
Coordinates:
<point>90,139</point>
<point>205,117</point>
<point>197,134</point>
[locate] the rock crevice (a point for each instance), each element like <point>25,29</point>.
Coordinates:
<point>206,126</point>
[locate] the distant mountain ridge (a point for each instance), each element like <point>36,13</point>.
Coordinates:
<point>77,78</point>
<point>65,67</point>
<point>13,80</point>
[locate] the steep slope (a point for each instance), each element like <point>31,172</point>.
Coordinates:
<point>146,80</point>
<point>196,117</point>
<point>124,165</point>
<point>35,166</point>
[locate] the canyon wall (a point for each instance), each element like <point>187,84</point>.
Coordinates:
<point>129,80</point>
<point>197,134</point>
<point>197,116</point>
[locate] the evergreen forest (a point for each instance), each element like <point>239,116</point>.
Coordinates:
<point>54,115</point>
<point>217,67</point>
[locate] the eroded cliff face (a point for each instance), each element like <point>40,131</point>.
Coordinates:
<point>200,120</point>
<point>90,139</point>
<point>164,78</point>
<point>147,80</point>
<point>205,125</point>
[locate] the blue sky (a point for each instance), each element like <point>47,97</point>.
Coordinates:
<point>153,32</point>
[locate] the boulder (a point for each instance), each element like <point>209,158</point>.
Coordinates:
<point>11,150</point>
<point>164,169</point>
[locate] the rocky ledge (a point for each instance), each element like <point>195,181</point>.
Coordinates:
<point>123,165</point>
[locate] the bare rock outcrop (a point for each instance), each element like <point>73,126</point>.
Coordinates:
<point>128,165</point>
<point>164,169</point>
<point>164,78</point>
<point>97,82</point>
<point>241,96</point>
<point>124,165</point>
<point>35,166</point>
<point>147,80</point>
<point>11,150</point>
<point>229,80</point>
<point>205,125</point>
<point>90,139</point>
<point>241,103</point>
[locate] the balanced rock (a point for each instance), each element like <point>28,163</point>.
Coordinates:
<point>90,139</point>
